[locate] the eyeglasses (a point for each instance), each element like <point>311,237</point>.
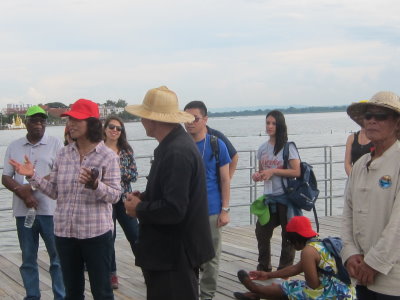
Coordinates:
<point>112,127</point>
<point>37,120</point>
<point>378,116</point>
<point>196,120</point>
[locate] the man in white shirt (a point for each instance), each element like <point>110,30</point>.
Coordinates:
<point>40,149</point>
<point>371,223</point>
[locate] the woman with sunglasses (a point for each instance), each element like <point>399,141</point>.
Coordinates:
<point>115,139</point>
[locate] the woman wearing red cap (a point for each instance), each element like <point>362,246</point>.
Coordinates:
<point>314,257</point>
<point>85,180</point>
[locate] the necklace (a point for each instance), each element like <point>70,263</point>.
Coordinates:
<point>204,147</point>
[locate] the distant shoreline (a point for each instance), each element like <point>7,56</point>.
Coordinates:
<point>289,110</point>
<point>244,113</point>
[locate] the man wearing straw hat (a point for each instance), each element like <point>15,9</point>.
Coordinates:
<point>371,222</point>
<point>174,231</point>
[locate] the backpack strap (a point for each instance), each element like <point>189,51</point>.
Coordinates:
<point>285,155</point>
<point>215,152</point>
<point>215,148</point>
<point>322,241</point>
<point>316,218</point>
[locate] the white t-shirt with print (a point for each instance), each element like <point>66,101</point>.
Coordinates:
<point>269,160</point>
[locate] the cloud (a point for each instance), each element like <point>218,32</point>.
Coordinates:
<point>228,52</point>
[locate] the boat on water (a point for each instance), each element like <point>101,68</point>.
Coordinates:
<point>16,124</point>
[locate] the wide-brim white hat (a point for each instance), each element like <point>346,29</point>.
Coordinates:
<point>357,110</point>
<point>160,104</point>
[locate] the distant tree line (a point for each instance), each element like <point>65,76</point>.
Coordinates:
<point>120,103</point>
<point>289,110</point>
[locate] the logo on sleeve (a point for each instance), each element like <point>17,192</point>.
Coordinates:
<point>385,182</point>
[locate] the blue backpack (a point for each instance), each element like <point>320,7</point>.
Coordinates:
<point>302,191</point>
<point>334,245</point>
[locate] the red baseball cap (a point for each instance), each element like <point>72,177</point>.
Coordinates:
<point>302,226</point>
<point>83,109</point>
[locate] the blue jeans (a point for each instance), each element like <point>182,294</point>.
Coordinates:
<point>128,224</point>
<point>95,253</point>
<point>29,244</point>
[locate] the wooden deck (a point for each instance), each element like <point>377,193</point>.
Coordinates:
<point>239,252</point>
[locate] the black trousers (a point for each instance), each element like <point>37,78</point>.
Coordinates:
<point>181,283</point>
<point>264,235</point>
<point>95,253</point>
<point>365,294</point>
<point>128,224</point>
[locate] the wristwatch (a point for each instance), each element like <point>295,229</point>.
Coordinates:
<point>226,209</point>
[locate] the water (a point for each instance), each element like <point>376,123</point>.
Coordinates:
<point>246,133</point>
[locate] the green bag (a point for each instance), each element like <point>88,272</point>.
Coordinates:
<point>261,210</point>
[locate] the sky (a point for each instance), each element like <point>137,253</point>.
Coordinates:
<point>228,53</point>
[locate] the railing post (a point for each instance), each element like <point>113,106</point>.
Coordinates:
<point>253,185</point>
<point>330,180</point>
<point>325,181</point>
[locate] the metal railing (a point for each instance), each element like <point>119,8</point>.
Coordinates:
<point>248,163</point>
<point>328,192</point>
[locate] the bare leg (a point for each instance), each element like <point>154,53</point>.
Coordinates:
<point>264,291</point>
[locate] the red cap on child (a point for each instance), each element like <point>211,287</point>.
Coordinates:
<point>302,226</point>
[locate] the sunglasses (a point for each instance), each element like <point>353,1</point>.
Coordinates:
<point>378,116</point>
<point>37,120</point>
<point>112,127</point>
<point>196,120</point>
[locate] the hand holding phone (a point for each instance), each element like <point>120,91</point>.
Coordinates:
<point>94,174</point>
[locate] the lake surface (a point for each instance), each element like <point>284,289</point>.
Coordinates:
<point>246,133</point>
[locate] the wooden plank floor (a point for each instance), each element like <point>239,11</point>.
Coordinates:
<point>239,251</point>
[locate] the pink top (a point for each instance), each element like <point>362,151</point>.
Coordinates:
<point>82,213</point>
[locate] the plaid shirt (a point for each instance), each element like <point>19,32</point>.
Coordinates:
<point>82,213</point>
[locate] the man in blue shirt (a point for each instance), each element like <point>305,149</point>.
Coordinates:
<point>218,190</point>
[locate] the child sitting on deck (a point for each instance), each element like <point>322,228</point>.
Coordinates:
<point>314,257</point>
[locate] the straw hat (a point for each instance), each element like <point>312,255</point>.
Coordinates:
<point>389,100</point>
<point>160,104</point>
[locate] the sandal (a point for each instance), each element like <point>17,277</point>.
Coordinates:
<point>242,275</point>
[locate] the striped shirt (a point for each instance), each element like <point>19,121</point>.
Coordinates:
<point>82,213</point>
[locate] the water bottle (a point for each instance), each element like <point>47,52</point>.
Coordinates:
<point>30,217</point>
